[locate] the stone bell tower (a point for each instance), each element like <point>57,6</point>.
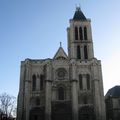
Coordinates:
<point>80,45</point>
<point>88,69</point>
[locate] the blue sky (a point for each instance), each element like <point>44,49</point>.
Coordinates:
<point>34,28</point>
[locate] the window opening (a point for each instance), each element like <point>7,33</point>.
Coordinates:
<point>76,33</point>
<point>61,93</point>
<point>34,82</point>
<point>78,52</point>
<point>80,82</point>
<point>41,82</point>
<point>80,33</point>
<point>85,33</point>
<point>37,101</point>
<point>85,52</point>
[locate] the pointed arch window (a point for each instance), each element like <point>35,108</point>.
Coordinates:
<point>76,33</point>
<point>34,82</point>
<point>60,93</point>
<point>80,82</point>
<point>78,52</point>
<point>88,81</point>
<point>85,52</point>
<point>37,101</point>
<point>41,82</point>
<point>85,33</point>
<point>80,33</point>
<point>85,100</point>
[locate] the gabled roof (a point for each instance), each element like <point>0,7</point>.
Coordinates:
<point>60,54</point>
<point>79,15</point>
<point>113,92</point>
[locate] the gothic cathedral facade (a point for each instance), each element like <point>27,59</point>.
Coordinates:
<point>67,87</point>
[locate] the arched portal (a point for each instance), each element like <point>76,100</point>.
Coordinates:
<point>37,113</point>
<point>86,113</point>
<point>61,111</point>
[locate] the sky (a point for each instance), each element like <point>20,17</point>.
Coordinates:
<point>34,28</point>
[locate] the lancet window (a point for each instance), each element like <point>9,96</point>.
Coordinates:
<point>34,82</point>
<point>85,52</point>
<point>80,33</point>
<point>85,33</point>
<point>80,82</point>
<point>61,93</point>
<point>78,52</point>
<point>76,33</point>
<point>41,82</point>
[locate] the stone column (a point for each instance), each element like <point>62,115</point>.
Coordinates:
<point>97,99</point>
<point>20,105</point>
<point>27,92</point>
<point>74,93</point>
<point>73,51</point>
<point>103,109</point>
<point>48,93</point>
<point>97,93</point>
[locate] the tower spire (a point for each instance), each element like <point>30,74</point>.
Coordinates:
<point>79,16</point>
<point>78,7</point>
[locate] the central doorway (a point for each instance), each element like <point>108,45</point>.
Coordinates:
<point>61,111</point>
<point>86,113</point>
<point>37,113</point>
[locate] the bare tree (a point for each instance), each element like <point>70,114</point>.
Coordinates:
<point>7,104</point>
